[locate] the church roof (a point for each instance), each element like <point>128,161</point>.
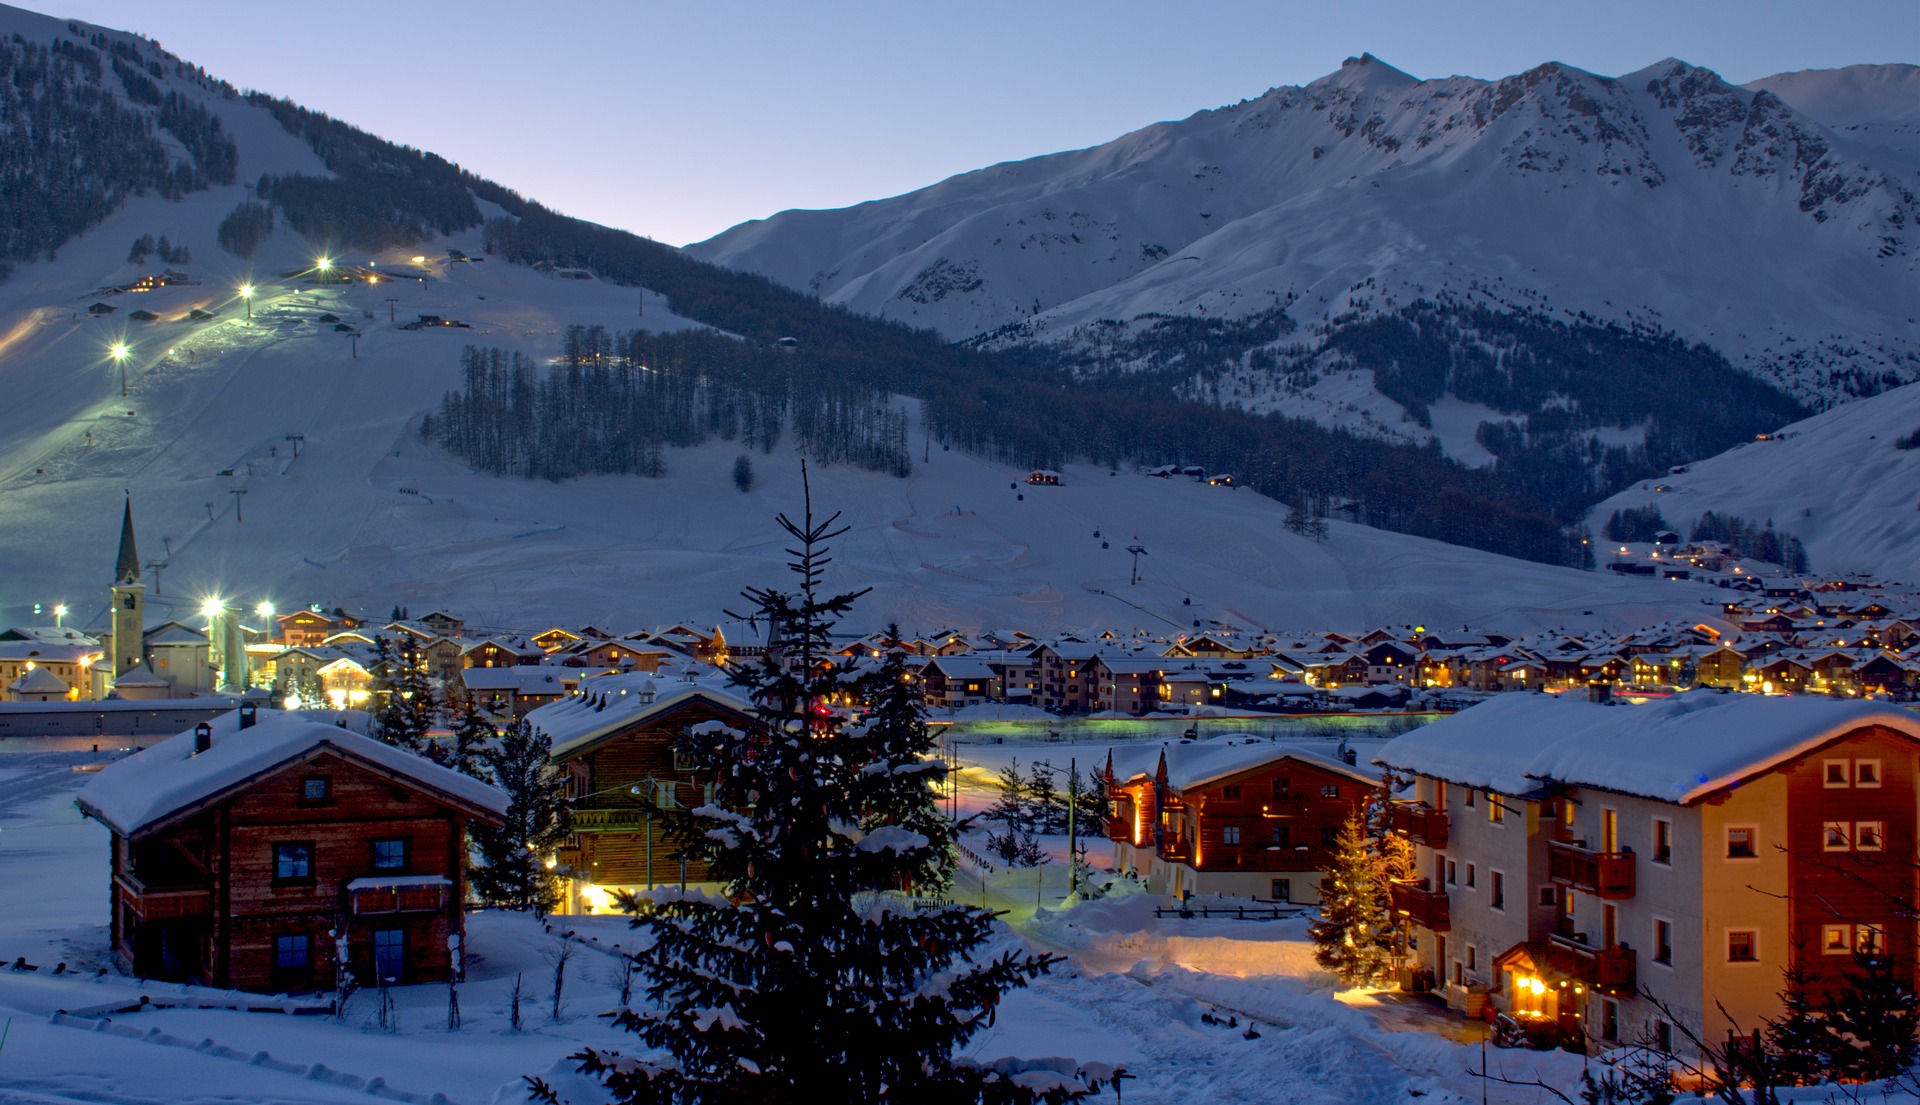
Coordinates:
<point>127,570</point>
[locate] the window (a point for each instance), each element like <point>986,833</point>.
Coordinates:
<point>1282,786</point>
<point>1663,941</point>
<point>1867,836</point>
<point>1453,873</point>
<point>1282,836</point>
<point>390,953</point>
<point>315,788</point>
<point>1471,870</point>
<point>1836,939</point>
<point>1662,840</point>
<point>1331,790</point>
<point>1868,940</point>
<point>1834,836</point>
<point>1609,1019</point>
<point>1496,809</point>
<point>390,855</point>
<point>1836,773</point>
<point>291,953</point>
<point>292,861</point>
<point>1866,773</point>
<point>1743,946</point>
<point>1473,958</point>
<point>1229,792</point>
<point>1548,897</point>
<point>1741,842</point>
<point>1283,890</point>
<point>684,761</point>
<point>1662,1036</point>
<point>1498,891</point>
<point>1230,834</point>
<point>1468,800</point>
<point>1329,835</point>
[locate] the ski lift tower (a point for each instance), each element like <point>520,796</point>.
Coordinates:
<point>1138,551</point>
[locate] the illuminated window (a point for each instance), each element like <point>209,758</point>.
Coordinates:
<point>1496,810</point>
<point>1868,940</point>
<point>1836,939</point>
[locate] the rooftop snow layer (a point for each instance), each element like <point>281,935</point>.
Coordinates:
<point>614,702</point>
<point>1194,763</point>
<point>133,793</point>
<point>1677,749</point>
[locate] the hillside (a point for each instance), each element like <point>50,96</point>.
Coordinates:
<point>1663,200</point>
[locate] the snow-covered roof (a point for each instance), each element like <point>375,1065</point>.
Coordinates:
<point>1677,749</point>
<point>38,681</point>
<point>521,678</point>
<point>1196,763</point>
<point>168,778</point>
<point>612,703</point>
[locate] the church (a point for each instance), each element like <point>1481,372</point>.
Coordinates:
<point>167,661</point>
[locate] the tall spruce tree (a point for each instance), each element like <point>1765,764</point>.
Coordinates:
<point>896,728</point>
<point>1049,805</point>
<point>473,736</point>
<point>512,872</point>
<point>1875,1018</point>
<point>1352,938</point>
<point>782,991</point>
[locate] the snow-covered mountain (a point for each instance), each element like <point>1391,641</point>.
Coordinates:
<point>1667,198</point>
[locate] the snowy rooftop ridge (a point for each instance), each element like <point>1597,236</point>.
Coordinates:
<point>1677,749</point>
<point>136,792</point>
<point>1196,763</point>
<point>613,702</point>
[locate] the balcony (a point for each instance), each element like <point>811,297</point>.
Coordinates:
<point>1603,874</point>
<point>1609,970</point>
<point>1427,908</point>
<point>1421,824</point>
<point>156,904</point>
<point>608,820</point>
<point>400,894</point>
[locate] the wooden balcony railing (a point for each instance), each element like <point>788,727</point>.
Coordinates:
<point>1609,970</point>
<point>1421,824</point>
<point>403,895</point>
<point>607,820</point>
<point>154,904</point>
<point>1426,908</point>
<point>1605,874</point>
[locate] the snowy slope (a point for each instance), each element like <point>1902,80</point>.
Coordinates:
<point>1836,481</point>
<point>1878,105</point>
<point>1665,196</point>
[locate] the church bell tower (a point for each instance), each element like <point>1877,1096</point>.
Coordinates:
<point>129,602</point>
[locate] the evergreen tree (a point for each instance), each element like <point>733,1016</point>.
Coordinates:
<point>1091,804</point>
<point>406,715</point>
<point>781,991</point>
<point>896,729</point>
<point>743,472</point>
<point>1800,1038</point>
<point>1351,938</point>
<point>1049,806</point>
<point>1396,857</point>
<point>512,872</point>
<point>473,737</point>
<point>1014,808</point>
<point>1874,1018</point>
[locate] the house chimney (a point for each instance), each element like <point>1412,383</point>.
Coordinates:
<point>247,711</point>
<point>202,738</point>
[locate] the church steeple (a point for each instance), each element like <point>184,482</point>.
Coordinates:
<point>128,569</point>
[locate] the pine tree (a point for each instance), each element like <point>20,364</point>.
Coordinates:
<point>473,735</point>
<point>405,696</point>
<point>512,872</point>
<point>1351,937</point>
<point>1396,857</point>
<point>782,991</point>
<point>743,473</point>
<point>896,728</point>
<point>1048,805</point>
<point>1875,1018</point>
<point>1014,808</point>
<point>1800,1038</point>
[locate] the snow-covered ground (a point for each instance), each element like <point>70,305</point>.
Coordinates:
<point>1133,991</point>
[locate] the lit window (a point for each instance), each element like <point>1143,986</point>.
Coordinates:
<point>1866,773</point>
<point>1740,842</point>
<point>1868,940</point>
<point>1834,836</point>
<point>1496,810</point>
<point>1867,836</point>
<point>1836,939</point>
<point>1742,946</point>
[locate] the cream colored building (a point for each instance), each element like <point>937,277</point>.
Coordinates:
<point>1628,870</point>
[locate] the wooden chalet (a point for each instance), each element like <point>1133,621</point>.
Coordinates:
<point>240,847</point>
<point>614,737</point>
<point>1234,815</point>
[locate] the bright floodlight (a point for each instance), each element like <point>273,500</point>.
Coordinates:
<point>118,351</point>
<point>326,264</point>
<point>246,291</point>
<point>264,610</point>
<point>212,608</point>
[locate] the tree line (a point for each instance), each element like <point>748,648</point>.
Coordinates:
<point>614,402</point>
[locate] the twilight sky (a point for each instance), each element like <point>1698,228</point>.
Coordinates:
<point>677,120</point>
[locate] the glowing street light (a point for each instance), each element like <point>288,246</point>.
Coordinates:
<point>325,265</point>
<point>263,611</point>
<point>246,293</point>
<point>59,614</point>
<point>119,352</point>
<point>212,608</point>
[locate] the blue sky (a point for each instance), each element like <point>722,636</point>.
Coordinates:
<point>677,120</point>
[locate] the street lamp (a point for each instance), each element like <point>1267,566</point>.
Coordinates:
<point>325,265</point>
<point>119,352</point>
<point>263,611</point>
<point>246,293</point>
<point>59,614</point>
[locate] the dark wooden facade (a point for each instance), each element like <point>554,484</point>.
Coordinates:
<point>249,892</point>
<point>616,840</point>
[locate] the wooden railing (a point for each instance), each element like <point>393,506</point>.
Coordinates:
<point>1421,824</point>
<point>160,904</point>
<point>1610,970</point>
<point>604,820</point>
<point>1427,908</point>
<point>399,899</point>
<point>1604,874</point>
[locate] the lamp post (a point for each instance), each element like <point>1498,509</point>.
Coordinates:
<point>119,352</point>
<point>59,615</point>
<point>246,294</point>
